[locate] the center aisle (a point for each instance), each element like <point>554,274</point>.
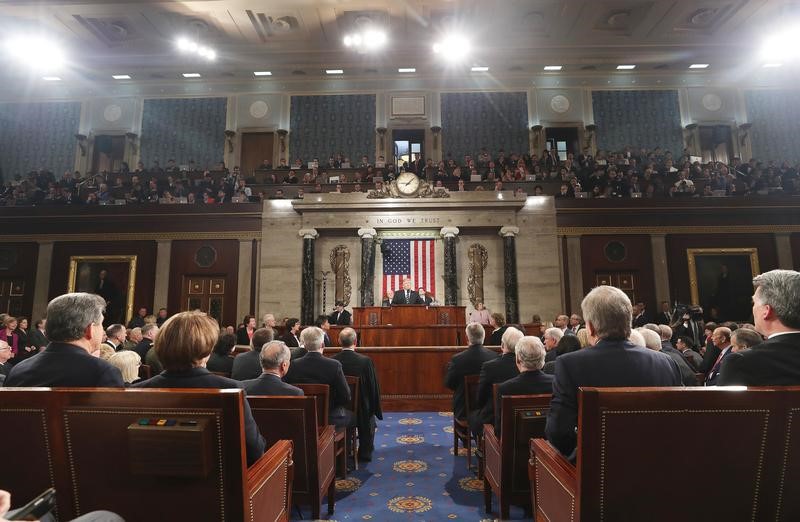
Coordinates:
<point>413,476</point>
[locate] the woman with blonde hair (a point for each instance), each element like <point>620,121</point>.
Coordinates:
<point>583,337</point>
<point>128,362</point>
<point>183,346</point>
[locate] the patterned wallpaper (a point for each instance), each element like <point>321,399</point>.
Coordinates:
<point>183,130</point>
<point>495,120</point>
<point>325,125</point>
<point>36,135</point>
<point>776,130</point>
<point>647,119</point>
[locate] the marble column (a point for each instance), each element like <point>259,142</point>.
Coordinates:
<point>783,246</point>
<point>161,281</point>
<point>41,288</point>
<point>307,284</point>
<point>450,268</point>
<point>367,265</point>
<point>245,271</point>
<point>658,247</point>
<point>574,273</point>
<point>510,273</point>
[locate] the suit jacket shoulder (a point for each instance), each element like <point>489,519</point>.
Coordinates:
<point>775,362</point>
<point>270,385</point>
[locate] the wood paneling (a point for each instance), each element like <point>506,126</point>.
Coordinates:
<point>145,251</point>
<point>638,260</point>
<point>226,266</point>
<point>795,239</point>
<point>23,259</point>
<point>678,263</point>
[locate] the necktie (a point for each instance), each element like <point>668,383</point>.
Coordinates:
<point>408,297</point>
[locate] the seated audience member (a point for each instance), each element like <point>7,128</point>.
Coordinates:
<point>562,323</point>
<point>575,322</point>
<point>324,324</point>
<point>551,337</point>
<point>104,352</point>
<point>127,362</point>
<point>480,315</point>
<point>567,344</point>
<point>340,316</point>
<point>468,362</point>
<point>134,338</point>
<point>248,365</point>
<point>38,338</point>
<point>583,337</point>
<point>138,320</point>
<point>5,356</point>
<point>776,310</point>
<point>290,337</point>
<point>75,330</point>
<point>268,321</point>
<point>115,337</point>
<point>9,334</point>
<point>183,346</point>
<point>245,333</point>
<point>275,359</point>
<point>743,339</point>
<point>687,373</point>
<point>494,371</point>
<point>6,513</point>
<point>529,357</point>
<point>162,316</point>
<point>611,361</point>
<point>149,333</point>
<point>220,360</point>
<point>369,408</point>
<point>685,346</point>
<point>314,368</point>
<point>637,339</point>
<point>498,322</point>
<point>722,340</point>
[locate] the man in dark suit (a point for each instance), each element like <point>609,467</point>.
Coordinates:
<point>324,324</point>
<point>611,361</point>
<point>529,358</point>
<point>776,312</point>
<point>292,329</point>
<point>275,360</point>
<point>494,371</point>
<point>149,332</point>
<point>37,338</point>
<point>684,345</point>
<point>406,296</point>
<point>640,315</point>
<point>722,340</point>
<point>665,316</point>
<point>248,365</point>
<point>424,298</point>
<point>468,362</point>
<point>5,355</point>
<point>75,330</point>
<point>340,316</point>
<point>314,368</point>
<point>138,319</point>
<point>361,366</point>
<point>115,336</point>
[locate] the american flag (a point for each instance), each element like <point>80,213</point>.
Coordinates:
<point>412,258</point>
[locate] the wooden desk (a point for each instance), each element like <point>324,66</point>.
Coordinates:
<point>408,315</point>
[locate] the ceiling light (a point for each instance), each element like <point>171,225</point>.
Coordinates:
<point>479,69</point>
<point>553,67</point>
<point>334,71</point>
<point>191,75</point>
<point>37,53</point>
<point>121,76</point>
<point>51,78</point>
<point>699,66</point>
<point>625,67</point>
<point>368,40</point>
<point>780,47</point>
<point>406,70</point>
<point>187,45</point>
<point>453,47</point>
<point>773,65</point>
<point>262,73</point>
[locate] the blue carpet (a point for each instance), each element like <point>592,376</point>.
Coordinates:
<point>413,476</point>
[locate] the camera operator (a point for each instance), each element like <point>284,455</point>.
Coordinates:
<point>690,325</point>
<point>684,185</point>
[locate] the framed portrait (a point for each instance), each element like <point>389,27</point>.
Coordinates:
<point>721,281</point>
<point>111,277</point>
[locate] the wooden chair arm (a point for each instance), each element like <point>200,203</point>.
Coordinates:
<point>493,456</point>
<point>555,482</point>
<point>269,484</point>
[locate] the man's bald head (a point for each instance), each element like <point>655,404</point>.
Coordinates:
<point>274,354</point>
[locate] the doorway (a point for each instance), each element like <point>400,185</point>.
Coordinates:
<point>108,153</point>
<point>256,147</point>
<point>206,294</point>
<point>716,143</point>
<point>406,143</point>
<point>563,140</point>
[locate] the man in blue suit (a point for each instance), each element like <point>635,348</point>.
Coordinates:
<point>611,361</point>
<point>75,329</point>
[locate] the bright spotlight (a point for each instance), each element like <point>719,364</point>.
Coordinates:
<point>348,41</point>
<point>211,54</point>
<point>37,53</point>
<point>374,39</point>
<point>183,44</point>
<point>781,47</point>
<point>453,47</point>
